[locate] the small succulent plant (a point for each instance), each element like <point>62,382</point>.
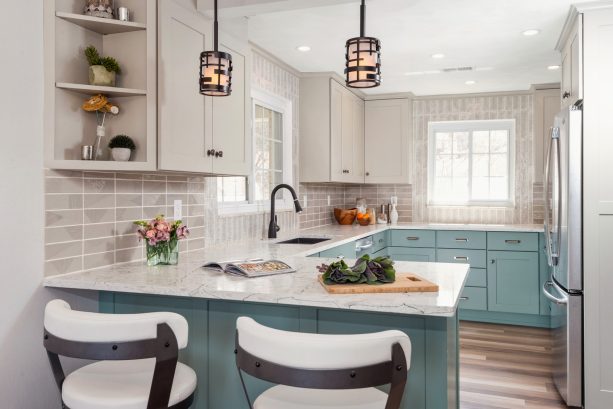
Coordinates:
<point>94,58</point>
<point>122,141</point>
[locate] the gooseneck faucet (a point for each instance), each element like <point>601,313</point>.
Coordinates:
<point>273,227</point>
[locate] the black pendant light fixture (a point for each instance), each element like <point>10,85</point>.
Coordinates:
<point>215,68</point>
<point>363,58</point>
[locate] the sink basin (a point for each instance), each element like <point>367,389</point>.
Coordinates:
<point>304,240</point>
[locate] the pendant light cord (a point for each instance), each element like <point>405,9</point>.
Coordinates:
<point>216,30</point>
<point>362,18</point>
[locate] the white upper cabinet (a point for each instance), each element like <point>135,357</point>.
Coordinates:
<point>387,136</point>
<point>331,132</point>
<point>231,139</point>
<point>184,115</point>
<point>571,50</point>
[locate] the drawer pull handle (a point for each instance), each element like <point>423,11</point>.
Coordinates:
<point>512,241</point>
<point>412,238</point>
<point>463,258</point>
<point>464,298</point>
<point>463,239</point>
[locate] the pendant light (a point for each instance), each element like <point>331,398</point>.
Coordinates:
<point>215,68</point>
<point>363,58</point>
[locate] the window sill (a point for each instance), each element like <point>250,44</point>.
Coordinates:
<point>489,205</point>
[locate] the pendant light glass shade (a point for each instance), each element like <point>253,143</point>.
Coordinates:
<point>215,73</point>
<point>215,68</point>
<point>363,58</point>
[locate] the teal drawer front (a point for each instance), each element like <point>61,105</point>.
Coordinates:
<point>413,238</point>
<point>381,253</point>
<point>459,239</point>
<point>411,254</point>
<point>512,241</point>
<point>476,258</point>
<point>473,298</point>
<point>477,277</point>
<point>346,251</point>
<point>379,241</point>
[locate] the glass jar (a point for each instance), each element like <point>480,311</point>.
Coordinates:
<point>163,253</point>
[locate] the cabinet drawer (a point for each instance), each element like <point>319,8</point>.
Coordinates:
<point>413,238</point>
<point>459,239</point>
<point>411,254</point>
<point>476,258</point>
<point>379,241</point>
<point>345,251</point>
<point>514,241</point>
<point>473,298</point>
<point>477,277</point>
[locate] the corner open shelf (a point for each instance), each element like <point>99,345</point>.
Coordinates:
<point>93,90</point>
<point>101,25</point>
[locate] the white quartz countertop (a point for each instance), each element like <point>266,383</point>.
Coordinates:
<point>189,279</point>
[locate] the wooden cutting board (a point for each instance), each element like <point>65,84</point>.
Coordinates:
<point>405,283</point>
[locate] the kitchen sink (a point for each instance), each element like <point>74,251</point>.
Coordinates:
<point>304,240</point>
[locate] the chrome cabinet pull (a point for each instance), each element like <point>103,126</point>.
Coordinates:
<point>463,258</point>
<point>462,239</point>
<point>464,298</point>
<point>412,238</point>
<point>512,241</point>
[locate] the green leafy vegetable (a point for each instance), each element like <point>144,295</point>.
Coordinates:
<point>376,271</point>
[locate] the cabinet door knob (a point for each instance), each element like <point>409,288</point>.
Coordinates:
<point>565,95</point>
<point>219,154</point>
<point>367,173</point>
<point>211,152</point>
<point>493,261</point>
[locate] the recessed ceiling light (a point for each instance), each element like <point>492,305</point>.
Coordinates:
<point>531,32</point>
<point>303,48</point>
<point>470,82</point>
<point>438,56</point>
<point>553,67</point>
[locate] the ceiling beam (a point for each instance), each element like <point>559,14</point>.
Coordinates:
<point>246,8</point>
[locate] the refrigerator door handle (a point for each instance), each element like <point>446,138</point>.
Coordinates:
<point>563,300</point>
<point>547,194</point>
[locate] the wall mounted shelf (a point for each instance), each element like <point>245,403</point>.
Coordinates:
<point>93,90</point>
<point>101,25</point>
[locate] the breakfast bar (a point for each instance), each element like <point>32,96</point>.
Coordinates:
<point>211,302</point>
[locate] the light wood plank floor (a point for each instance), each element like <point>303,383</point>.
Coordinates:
<point>506,367</point>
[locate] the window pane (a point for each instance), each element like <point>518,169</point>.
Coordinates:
<point>499,141</point>
<point>277,126</point>
<point>232,189</point>
<point>442,189</point>
<point>499,188</point>
<point>443,165</point>
<point>460,166</point>
<point>278,156</point>
<point>443,143</point>
<point>481,188</point>
<point>460,189</point>
<point>481,141</point>
<point>498,165</point>
<point>460,142</point>
<point>481,165</point>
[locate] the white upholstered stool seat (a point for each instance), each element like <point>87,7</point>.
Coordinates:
<point>121,385</point>
<point>288,397</point>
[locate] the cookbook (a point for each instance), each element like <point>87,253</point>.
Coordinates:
<point>250,269</point>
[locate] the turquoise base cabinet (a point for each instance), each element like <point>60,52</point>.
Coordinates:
<point>513,282</point>
<point>432,380</point>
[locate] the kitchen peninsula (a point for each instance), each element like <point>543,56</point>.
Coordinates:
<point>211,302</point>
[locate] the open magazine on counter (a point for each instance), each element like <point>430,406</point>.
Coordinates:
<point>251,268</point>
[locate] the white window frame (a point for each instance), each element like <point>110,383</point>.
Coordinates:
<point>282,105</point>
<point>470,126</point>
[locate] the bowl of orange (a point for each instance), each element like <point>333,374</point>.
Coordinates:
<point>363,219</point>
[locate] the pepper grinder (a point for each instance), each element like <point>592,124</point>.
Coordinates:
<point>393,217</point>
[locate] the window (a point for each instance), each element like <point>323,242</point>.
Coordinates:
<point>272,158</point>
<point>471,163</point>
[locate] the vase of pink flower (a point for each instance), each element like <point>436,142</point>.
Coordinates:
<point>162,239</point>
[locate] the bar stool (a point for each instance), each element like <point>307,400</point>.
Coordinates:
<point>137,356</point>
<point>323,371</point>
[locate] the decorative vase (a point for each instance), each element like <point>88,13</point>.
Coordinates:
<point>98,8</point>
<point>99,75</point>
<point>121,154</point>
<point>394,212</point>
<point>164,253</point>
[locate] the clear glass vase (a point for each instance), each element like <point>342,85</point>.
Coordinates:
<point>164,253</point>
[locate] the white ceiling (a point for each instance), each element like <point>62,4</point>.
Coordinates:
<point>486,34</point>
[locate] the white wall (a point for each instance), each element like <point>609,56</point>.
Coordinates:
<point>25,378</point>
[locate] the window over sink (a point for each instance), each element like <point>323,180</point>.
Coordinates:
<point>272,159</point>
<point>471,163</point>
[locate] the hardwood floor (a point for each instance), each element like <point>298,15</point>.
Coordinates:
<point>506,367</point>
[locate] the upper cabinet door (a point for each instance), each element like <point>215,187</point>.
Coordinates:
<point>576,62</point>
<point>387,141</point>
<point>184,115</point>
<point>357,144</point>
<point>232,115</point>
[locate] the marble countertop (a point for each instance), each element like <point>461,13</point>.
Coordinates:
<point>189,279</point>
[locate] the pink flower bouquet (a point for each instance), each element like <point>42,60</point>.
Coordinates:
<point>162,238</point>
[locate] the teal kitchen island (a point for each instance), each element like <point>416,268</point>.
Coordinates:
<point>212,301</point>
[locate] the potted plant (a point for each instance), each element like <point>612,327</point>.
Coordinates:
<point>121,148</point>
<point>102,70</point>
<point>162,239</point>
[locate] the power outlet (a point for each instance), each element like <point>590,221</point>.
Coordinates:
<point>328,200</point>
<point>178,211</point>
<point>304,202</point>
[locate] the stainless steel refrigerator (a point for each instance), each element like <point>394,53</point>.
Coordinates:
<point>563,238</point>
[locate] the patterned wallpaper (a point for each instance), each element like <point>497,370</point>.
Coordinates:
<point>511,106</point>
